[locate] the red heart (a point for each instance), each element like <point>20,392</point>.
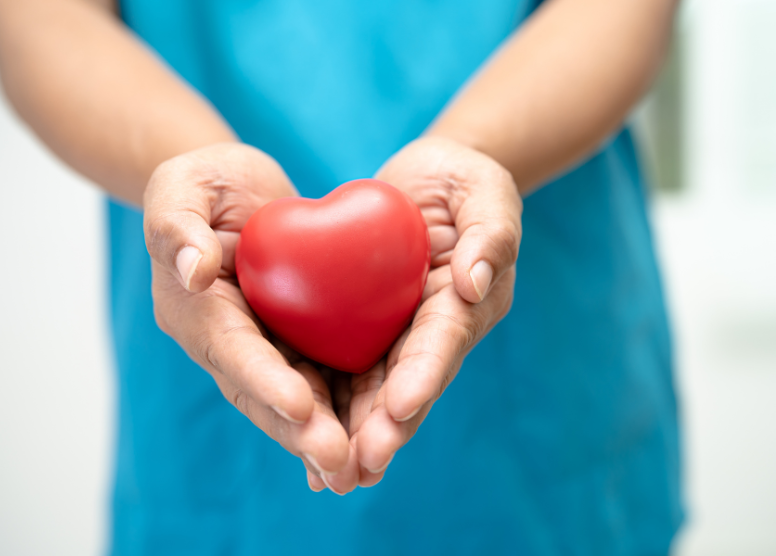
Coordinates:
<point>338,279</point>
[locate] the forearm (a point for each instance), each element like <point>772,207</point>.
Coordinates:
<point>96,96</point>
<point>560,85</point>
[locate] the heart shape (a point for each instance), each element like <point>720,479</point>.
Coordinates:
<point>339,278</point>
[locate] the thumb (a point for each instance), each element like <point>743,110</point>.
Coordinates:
<point>177,226</point>
<point>488,223</point>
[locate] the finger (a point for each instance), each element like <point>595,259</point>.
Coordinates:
<point>228,241</point>
<point>346,480</point>
<point>176,223</point>
<point>292,356</point>
<point>320,441</point>
<point>231,345</point>
<point>343,481</point>
<point>430,354</point>
<point>443,240</point>
<point>341,393</point>
<point>487,216</point>
<point>435,215</point>
<point>215,187</point>
<point>315,483</point>
<point>365,390</point>
<point>437,279</point>
<point>346,477</point>
<point>444,330</point>
<point>380,438</point>
<point>368,396</point>
<point>318,385</point>
<point>367,478</point>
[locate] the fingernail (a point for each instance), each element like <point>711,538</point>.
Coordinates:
<point>325,479</point>
<point>314,463</point>
<point>383,468</point>
<point>408,417</point>
<point>187,260</point>
<point>310,483</point>
<point>324,475</point>
<point>285,415</point>
<point>364,484</point>
<point>481,274</point>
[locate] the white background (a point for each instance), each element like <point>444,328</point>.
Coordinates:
<point>717,243</point>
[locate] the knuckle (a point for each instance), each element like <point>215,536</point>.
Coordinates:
<point>210,347</point>
<point>158,228</point>
<point>476,324</point>
<point>461,333</point>
<point>164,233</point>
<point>243,403</point>
<point>239,399</point>
<point>506,240</point>
<point>202,348</point>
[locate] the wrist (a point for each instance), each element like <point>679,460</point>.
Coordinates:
<point>491,141</point>
<point>464,135</point>
<point>492,144</point>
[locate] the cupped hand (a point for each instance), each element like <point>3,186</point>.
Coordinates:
<point>195,206</point>
<point>472,209</point>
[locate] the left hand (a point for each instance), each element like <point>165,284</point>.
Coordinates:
<point>472,209</point>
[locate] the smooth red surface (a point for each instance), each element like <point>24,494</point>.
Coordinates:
<point>339,278</point>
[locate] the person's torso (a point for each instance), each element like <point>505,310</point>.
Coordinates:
<point>559,434</point>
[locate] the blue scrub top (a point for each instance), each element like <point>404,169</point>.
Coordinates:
<point>559,435</point>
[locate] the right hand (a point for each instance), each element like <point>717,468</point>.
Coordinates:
<point>472,208</point>
<point>195,206</point>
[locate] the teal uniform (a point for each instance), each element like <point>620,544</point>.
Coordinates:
<point>559,435</point>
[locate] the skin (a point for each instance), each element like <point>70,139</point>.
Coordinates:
<point>544,101</point>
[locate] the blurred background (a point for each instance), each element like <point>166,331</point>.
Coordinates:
<point>708,135</point>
